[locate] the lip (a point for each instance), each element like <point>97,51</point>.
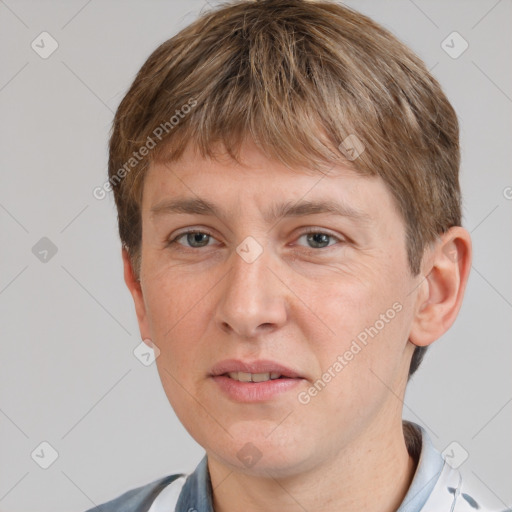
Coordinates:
<point>259,366</point>
<point>254,391</point>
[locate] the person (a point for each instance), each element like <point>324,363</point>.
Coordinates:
<point>286,179</point>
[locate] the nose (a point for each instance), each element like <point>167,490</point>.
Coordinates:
<point>253,300</point>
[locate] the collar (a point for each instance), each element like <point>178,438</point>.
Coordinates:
<point>197,493</point>
<point>428,470</point>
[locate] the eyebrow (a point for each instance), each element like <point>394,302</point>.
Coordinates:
<point>197,206</point>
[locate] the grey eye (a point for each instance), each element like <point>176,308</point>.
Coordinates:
<point>197,239</point>
<point>318,240</point>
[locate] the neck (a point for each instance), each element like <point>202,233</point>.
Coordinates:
<point>373,475</point>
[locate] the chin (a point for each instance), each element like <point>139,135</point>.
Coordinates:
<point>257,455</point>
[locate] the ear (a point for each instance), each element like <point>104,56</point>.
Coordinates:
<point>445,274</point>
<point>136,290</point>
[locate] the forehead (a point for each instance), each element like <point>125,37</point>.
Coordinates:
<point>204,185</point>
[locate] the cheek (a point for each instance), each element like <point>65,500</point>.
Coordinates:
<point>341,306</point>
<point>358,330</point>
<point>177,318</point>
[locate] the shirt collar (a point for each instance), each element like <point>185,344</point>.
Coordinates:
<point>430,465</point>
<point>197,491</point>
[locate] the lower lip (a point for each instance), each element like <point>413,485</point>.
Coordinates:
<point>254,391</point>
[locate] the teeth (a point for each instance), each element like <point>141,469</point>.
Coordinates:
<point>260,377</point>
<point>254,377</point>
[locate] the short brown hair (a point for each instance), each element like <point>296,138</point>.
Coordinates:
<point>297,77</point>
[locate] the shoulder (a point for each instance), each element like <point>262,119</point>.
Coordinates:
<point>137,500</point>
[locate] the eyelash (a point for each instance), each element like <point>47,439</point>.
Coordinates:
<point>309,231</point>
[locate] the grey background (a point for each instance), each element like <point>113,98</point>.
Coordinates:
<point>68,328</point>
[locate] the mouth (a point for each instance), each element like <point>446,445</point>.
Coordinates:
<point>253,377</point>
<point>256,381</point>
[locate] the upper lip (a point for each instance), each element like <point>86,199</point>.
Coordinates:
<point>259,366</point>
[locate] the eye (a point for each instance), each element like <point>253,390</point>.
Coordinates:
<point>196,239</point>
<point>319,239</point>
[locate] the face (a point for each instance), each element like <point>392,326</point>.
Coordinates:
<point>247,275</point>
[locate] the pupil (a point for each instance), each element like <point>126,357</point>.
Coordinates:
<point>319,239</point>
<point>195,238</point>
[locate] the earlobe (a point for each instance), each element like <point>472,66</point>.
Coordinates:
<point>441,293</point>
<point>135,288</point>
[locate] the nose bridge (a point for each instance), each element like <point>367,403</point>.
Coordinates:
<point>252,298</point>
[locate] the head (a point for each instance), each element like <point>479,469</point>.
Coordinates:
<point>261,103</point>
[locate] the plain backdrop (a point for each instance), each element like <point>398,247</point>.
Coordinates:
<point>68,375</point>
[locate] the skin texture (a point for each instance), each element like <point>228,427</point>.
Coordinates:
<point>300,304</point>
